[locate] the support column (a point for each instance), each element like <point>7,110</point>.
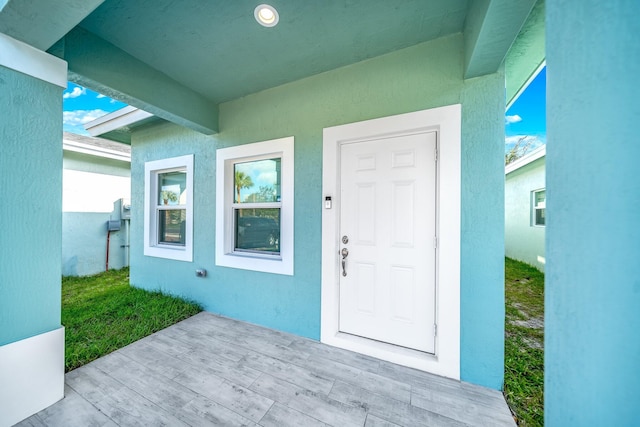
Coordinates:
<point>31,337</point>
<point>592,291</point>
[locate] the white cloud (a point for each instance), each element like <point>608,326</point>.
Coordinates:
<point>80,117</point>
<point>76,92</point>
<point>512,119</point>
<point>100,96</point>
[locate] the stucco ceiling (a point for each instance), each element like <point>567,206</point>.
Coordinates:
<point>217,48</point>
<point>180,59</point>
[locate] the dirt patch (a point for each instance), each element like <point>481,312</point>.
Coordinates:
<point>532,323</point>
<point>532,343</point>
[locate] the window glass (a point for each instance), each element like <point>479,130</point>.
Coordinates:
<point>171,188</point>
<point>540,217</point>
<point>539,207</point>
<point>257,181</point>
<point>540,199</point>
<point>171,226</point>
<point>257,230</point>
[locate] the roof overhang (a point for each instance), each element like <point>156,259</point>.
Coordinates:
<point>536,154</point>
<point>91,146</point>
<point>526,57</point>
<point>117,126</point>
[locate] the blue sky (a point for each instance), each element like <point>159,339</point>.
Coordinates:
<point>81,105</point>
<point>527,116</point>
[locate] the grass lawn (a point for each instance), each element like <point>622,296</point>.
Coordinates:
<point>102,313</point>
<point>524,342</point>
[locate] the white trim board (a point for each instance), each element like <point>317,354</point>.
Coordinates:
<point>31,376</point>
<point>447,122</point>
<point>26,59</point>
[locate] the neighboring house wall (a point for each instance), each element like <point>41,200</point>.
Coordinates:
<point>403,81</point>
<point>523,240</point>
<point>91,185</point>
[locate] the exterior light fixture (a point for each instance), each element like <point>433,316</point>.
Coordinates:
<point>266,15</point>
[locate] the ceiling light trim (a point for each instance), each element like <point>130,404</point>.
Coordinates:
<point>266,15</point>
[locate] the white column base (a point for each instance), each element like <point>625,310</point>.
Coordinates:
<point>31,376</point>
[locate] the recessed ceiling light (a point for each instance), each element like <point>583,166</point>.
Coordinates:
<point>266,15</point>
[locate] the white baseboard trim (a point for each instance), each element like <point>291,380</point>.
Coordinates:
<point>31,376</point>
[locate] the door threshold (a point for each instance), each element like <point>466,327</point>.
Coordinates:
<point>389,352</point>
<point>384,343</point>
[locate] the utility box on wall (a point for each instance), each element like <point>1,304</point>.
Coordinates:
<point>126,208</point>
<point>122,207</point>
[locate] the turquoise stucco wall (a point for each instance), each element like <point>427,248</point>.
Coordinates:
<point>31,174</point>
<point>84,243</point>
<point>592,293</point>
<point>403,81</point>
<point>523,241</point>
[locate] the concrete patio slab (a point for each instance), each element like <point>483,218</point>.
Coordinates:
<point>211,370</point>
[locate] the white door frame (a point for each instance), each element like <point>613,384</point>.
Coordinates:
<point>447,122</point>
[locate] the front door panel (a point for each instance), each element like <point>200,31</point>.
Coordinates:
<point>388,213</point>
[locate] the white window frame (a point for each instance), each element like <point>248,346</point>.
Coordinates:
<point>226,158</point>
<point>151,245</point>
<point>534,207</point>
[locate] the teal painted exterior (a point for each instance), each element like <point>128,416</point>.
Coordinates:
<point>84,244</point>
<point>592,293</point>
<point>31,167</point>
<point>524,241</point>
<point>402,81</point>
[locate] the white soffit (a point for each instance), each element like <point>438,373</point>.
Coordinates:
<point>121,118</point>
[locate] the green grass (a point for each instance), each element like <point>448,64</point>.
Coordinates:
<point>524,342</point>
<point>102,313</point>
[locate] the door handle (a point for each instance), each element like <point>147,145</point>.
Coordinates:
<point>345,253</point>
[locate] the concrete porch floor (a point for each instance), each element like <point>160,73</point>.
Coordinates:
<point>211,370</point>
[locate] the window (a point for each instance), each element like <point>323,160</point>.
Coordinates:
<point>256,214</point>
<point>254,206</point>
<point>538,206</point>
<point>168,220</point>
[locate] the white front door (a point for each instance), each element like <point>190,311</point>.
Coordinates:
<point>388,226</point>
